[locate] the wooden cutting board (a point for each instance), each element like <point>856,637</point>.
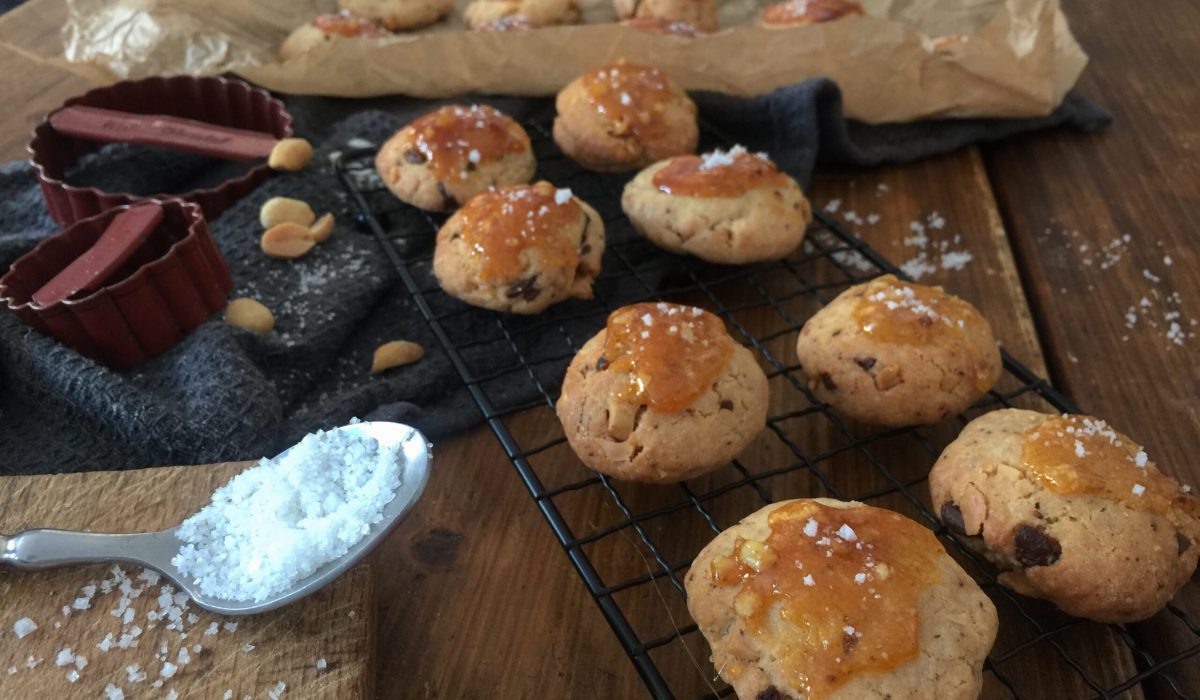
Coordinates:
<point>336,624</point>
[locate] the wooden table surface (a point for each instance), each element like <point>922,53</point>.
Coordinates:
<point>1068,233</point>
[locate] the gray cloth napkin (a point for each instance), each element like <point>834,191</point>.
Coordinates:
<point>224,393</point>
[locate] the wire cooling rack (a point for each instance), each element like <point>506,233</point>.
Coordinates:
<point>632,543</point>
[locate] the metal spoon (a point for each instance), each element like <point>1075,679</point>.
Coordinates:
<point>33,550</point>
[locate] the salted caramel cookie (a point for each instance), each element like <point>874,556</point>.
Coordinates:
<point>482,14</point>
<point>834,600</point>
<point>701,14</point>
<point>398,15</point>
<point>662,394</point>
<point>657,25</point>
<point>520,249</point>
<point>898,353</point>
<point>624,116</point>
<point>798,13</point>
<point>726,207</point>
<point>452,154</point>
<point>323,28</point>
<point>1071,510</point>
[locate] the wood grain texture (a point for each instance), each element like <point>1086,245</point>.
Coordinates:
<point>1061,192</point>
<point>336,624</point>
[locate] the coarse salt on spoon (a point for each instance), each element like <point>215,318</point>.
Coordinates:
<point>108,126</point>
<point>270,504</point>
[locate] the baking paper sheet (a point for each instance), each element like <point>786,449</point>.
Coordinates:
<point>906,60</point>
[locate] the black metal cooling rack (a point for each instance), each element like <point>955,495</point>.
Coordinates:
<point>631,544</point>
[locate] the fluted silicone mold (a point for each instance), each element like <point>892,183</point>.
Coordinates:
<point>214,100</point>
<point>172,284</point>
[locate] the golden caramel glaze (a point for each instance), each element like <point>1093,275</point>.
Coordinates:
<point>1074,454</point>
<point>804,12</point>
<point>718,174</point>
<point>672,353</point>
<point>454,140</point>
<point>846,584</point>
<point>632,96</point>
<point>892,311</point>
<point>661,25</point>
<point>498,226</point>
<point>345,24</point>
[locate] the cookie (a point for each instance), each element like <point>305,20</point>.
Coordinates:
<point>898,353</point>
<point>799,13</point>
<point>624,116</point>
<point>1071,510</point>
<point>661,395</point>
<point>657,25</point>
<point>520,249</point>
<point>323,28</point>
<point>834,600</point>
<point>483,14</point>
<point>452,154</point>
<point>701,14</point>
<point>398,15</point>
<point>726,207</point>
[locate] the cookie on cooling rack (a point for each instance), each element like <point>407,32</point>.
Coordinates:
<point>520,249</point>
<point>324,28</point>
<point>799,13</point>
<point>1071,510</point>
<point>446,157</point>
<point>624,116</point>
<point>725,207</point>
<point>897,353</point>
<point>835,600</point>
<point>701,14</point>
<point>484,14</point>
<point>662,394</point>
<point>398,15</point>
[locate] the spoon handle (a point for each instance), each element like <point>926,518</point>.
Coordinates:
<point>45,549</point>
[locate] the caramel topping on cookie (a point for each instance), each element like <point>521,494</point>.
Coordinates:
<point>845,584</point>
<point>718,174</point>
<point>672,353</point>
<point>500,225</point>
<point>800,12</point>
<point>345,24</point>
<point>632,96</point>
<point>1080,454</point>
<point>456,139</point>
<point>892,311</point>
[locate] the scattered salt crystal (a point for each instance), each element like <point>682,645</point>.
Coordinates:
<point>32,662</point>
<point>168,669</point>
<point>72,675</point>
<point>81,661</point>
<point>648,319</point>
<point>860,578</point>
<point>196,648</point>
<point>230,626</point>
<point>24,627</point>
<point>184,657</point>
<point>277,691</point>
<point>808,580</point>
<point>1079,451</point>
<point>1138,489</point>
<point>626,99</point>
<point>321,665</point>
<point>228,695</point>
<point>106,643</point>
<point>1140,459</point>
<point>112,692</point>
<point>212,630</point>
<point>65,657</point>
<point>247,648</point>
<point>12,670</point>
<point>1151,276</point>
<point>358,142</point>
<point>810,528</point>
<point>956,260</point>
<point>473,155</point>
<point>1167,260</point>
<point>848,630</point>
<point>150,577</point>
<point>719,158</point>
<point>134,673</point>
<point>280,521</point>
<point>846,533</point>
<point>833,205</point>
<point>172,695</point>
